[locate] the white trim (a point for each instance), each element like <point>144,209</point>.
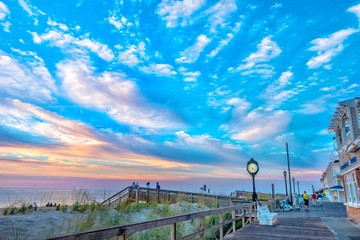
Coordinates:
<point>352,205</point>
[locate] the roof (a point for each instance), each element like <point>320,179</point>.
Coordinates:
<point>339,111</point>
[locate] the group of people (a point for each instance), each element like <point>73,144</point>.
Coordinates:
<point>147,185</point>
<point>314,197</point>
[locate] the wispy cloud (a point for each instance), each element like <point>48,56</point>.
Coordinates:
<point>39,122</point>
<point>178,12</point>
<point>159,69</point>
<point>31,10</point>
<point>4,13</point>
<point>329,47</point>
<point>225,41</point>
<point>277,92</point>
<point>191,54</point>
<point>189,76</point>
<point>113,94</point>
<point>133,55</point>
<point>356,10</point>
<point>256,63</point>
<point>219,12</point>
<point>25,80</point>
<point>254,125</point>
<point>73,44</point>
<point>56,24</point>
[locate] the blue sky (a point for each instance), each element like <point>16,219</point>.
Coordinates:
<point>172,90</point>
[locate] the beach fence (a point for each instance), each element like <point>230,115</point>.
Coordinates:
<point>152,195</point>
<point>244,213</point>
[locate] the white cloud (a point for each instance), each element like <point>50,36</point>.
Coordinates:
<point>110,92</point>
<point>173,11</point>
<point>219,12</point>
<point>257,124</point>
<point>255,62</point>
<point>225,41</point>
<point>31,10</point>
<point>55,24</point>
<point>69,43</point>
<point>189,76</point>
<point>25,80</point>
<point>312,108</point>
<point>191,54</point>
<point>4,13</point>
<point>39,122</point>
<point>118,23</point>
<point>133,55</point>
<point>356,10</point>
<point>329,47</point>
<point>159,69</point>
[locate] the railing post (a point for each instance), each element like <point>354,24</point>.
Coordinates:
<point>173,231</point>
<point>250,214</point>
<point>243,217</point>
<point>202,228</point>
<point>168,196</point>
<point>233,215</point>
<point>147,195</point>
<point>137,195</point>
<point>221,221</point>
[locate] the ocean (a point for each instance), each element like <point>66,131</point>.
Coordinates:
<point>17,196</point>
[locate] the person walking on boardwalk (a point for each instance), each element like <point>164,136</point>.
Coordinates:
<point>157,186</point>
<point>148,185</point>
<point>313,198</point>
<point>306,201</point>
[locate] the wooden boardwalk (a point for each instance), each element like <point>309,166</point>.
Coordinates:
<point>296,224</point>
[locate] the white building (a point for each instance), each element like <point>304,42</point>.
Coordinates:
<point>345,123</point>
<point>331,182</point>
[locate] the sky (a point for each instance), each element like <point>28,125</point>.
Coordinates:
<point>99,94</point>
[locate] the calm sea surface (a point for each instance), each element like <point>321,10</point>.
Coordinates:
<point>17,196</point>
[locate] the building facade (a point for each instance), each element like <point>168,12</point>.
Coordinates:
<point>345,123</point>
<point>331,182</point>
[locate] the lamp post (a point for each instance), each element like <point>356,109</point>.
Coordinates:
<point>294,185</point>
<point>286,192</point>
<point>288,162</point>
<point>298,187</point>
<point>253,168</point>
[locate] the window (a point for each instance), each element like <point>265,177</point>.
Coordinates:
<point>346,125</point>
<point>338,133</point>
<point>351,189</point>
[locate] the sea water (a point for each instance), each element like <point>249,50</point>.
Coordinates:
<point>18,196</point>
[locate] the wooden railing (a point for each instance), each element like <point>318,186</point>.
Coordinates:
<point>245,212</point>
<point>168,196</point>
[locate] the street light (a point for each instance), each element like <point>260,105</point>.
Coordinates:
<point>288,162</point>
<point>285,183</point>
<point>294,185</point>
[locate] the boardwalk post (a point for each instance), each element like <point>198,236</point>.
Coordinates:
<point>147,195</point>
<point>221,221</point>
<point>157,196</point>
<point>233,215</point>
<point>243,218</point>
<point>173,231</point>
<point>137,195</point>
<point>250,214</point>
<point>168,196</point>
<point>202,228</point>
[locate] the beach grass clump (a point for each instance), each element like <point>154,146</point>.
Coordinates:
<point>23,208</point>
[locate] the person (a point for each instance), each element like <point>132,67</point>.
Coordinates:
<point>287,200</point>
<point>319,199</point>
<point>296,202</point>
<point>137,185</point>
<point>148,185</point>
<point>157,186</point>
<point>313,198</point>
<point>133,185</point>
<point>306,201</point>
<point>35,206</point>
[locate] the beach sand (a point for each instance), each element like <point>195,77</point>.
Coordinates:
<point>39,224</point>
<point>46,222</point>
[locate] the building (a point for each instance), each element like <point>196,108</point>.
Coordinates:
<point>331,182</point>
<point>345,123</point>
